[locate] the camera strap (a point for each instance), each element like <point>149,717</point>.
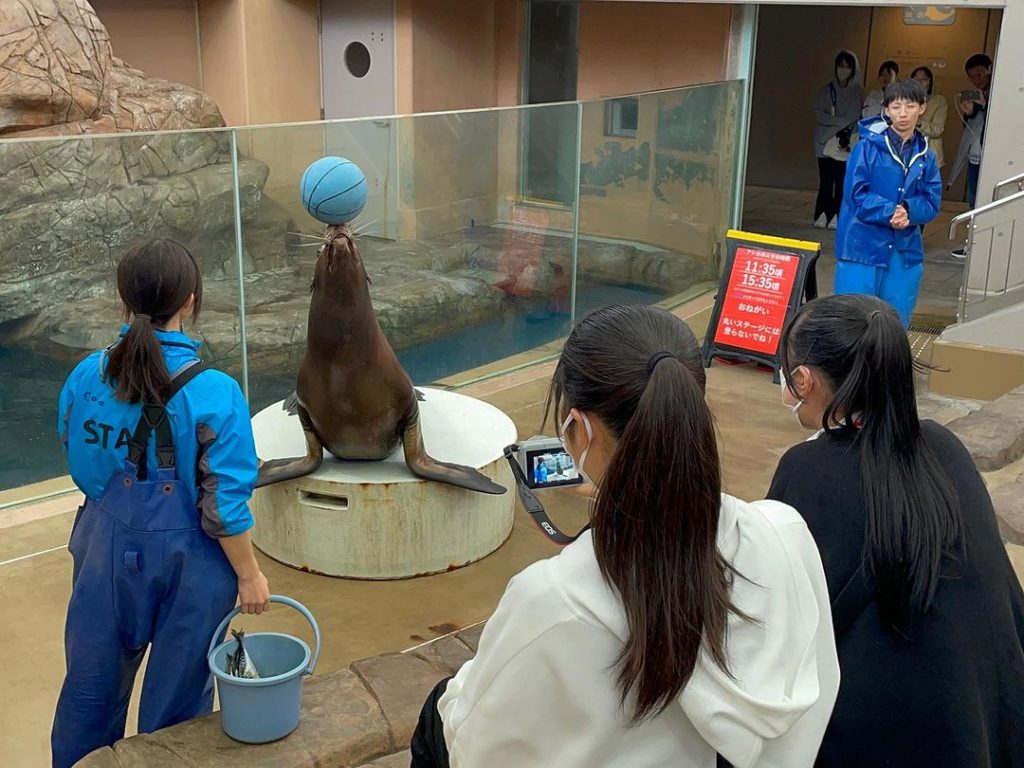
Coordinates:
<point>533,506</point>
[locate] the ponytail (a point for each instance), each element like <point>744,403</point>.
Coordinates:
<point>912,518</point>
<point>655,516</point>
<point>136,364</point>
<point>655,534</point>
<point>155,282</point>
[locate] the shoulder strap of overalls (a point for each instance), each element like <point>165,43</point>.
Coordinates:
<point>154,417</point>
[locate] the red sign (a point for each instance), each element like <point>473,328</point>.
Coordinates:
<point>755,303</point>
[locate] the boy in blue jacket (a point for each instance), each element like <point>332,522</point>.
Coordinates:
<point>892,189</point>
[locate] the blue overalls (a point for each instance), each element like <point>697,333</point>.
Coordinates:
<point>145,574</point>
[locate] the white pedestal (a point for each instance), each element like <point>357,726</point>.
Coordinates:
<point>376,519</point>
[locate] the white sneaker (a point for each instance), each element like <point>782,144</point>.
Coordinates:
<point>959,253</point>
<point>820,222</point>
<point>832,224</point>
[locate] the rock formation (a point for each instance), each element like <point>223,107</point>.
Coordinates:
<point>58,75</point>
<point>72,202</point>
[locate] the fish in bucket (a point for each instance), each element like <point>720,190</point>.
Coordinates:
<point>239,664</point>
<point>259,678</point>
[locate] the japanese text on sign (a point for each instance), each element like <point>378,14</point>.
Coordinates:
<point>758,293</point>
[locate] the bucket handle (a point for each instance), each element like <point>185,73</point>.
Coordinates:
<point>284,601</point>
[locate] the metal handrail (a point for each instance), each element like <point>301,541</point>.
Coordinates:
<point>994,205</point>
<point>1017,181</point>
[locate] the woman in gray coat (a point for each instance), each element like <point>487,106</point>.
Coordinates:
<point>837,108</point>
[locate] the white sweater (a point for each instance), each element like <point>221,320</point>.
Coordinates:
<point>541,690</point>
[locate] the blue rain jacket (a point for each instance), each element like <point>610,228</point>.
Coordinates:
<point>214,450</point>
<point>877,180</point>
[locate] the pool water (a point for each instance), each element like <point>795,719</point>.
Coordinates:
<point>31,383</point>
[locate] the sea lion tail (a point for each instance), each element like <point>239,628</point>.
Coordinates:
<point>423,465</point>
<point>279,470</point>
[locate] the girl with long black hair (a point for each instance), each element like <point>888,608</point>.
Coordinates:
<point>928,613</point>
<point>683,623</point>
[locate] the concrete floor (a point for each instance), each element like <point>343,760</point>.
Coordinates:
<point>787,213</point>
<point>360,618</point>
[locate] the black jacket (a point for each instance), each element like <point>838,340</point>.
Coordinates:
<point>952,695</point>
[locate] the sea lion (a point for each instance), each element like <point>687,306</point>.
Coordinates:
<point>352,396</point>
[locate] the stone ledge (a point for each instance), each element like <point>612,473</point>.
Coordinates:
<point>400,683</point>
<point>1008,500</point>
<point>994,434</point>
<point>447,653</point>
<point>361,716</point>
<point>471,636</point>
<point>397,760</point>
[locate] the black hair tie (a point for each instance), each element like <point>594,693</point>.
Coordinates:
<point>656,358</point>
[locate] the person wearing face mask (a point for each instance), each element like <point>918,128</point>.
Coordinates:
<point>837,108</point>
<point>927,610</point>
<point>682,623</point>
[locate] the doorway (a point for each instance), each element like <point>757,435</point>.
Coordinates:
<point>788,77</point>
<point>358,64</point>
<point>357,57</point>
<point>549,75</point>
<point>782,174</point>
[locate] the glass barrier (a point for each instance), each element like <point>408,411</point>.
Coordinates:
<point>70,207</point>
<point>656,177</point>
<point>459,279</point>
<point>486,233</point>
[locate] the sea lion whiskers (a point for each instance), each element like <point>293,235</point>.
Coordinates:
<point>364,227</point>
<point>307,235</point>
<point>344,232</point>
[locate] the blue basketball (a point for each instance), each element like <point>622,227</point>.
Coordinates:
<point>333,190</point>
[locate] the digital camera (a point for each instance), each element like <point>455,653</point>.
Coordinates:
<point>546,464</point>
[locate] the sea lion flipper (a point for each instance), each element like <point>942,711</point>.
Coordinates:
<point>279,470</point>
<point>423,465</point>
<point>291,404</point>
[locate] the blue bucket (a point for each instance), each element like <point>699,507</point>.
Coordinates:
<point>267,709</point>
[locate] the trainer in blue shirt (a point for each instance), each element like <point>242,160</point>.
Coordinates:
<point>163,450</point>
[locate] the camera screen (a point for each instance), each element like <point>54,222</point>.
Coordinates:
<point>551,468</point>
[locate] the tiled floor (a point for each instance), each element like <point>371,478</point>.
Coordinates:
<point>788,212</point>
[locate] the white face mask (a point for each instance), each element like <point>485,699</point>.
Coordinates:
<point>590,439</point>
<point>843,73</point>
<point>795,408</point>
